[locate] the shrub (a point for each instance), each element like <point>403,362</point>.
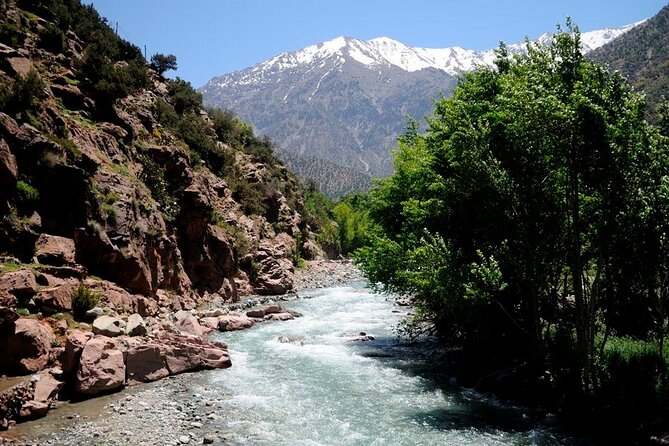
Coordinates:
<point>22,312</point>
<point>51,38</point>
<point>83,299</point>
<point>10,34</point>
<point>183,96</point>
<point>26,193</point>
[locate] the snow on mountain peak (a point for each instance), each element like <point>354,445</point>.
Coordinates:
<point>390,52</point>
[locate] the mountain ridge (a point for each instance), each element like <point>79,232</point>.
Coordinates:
<point>345,100</point>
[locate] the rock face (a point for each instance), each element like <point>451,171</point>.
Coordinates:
<point>27,349</point>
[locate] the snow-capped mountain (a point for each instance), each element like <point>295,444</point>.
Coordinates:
<point>346,100</point>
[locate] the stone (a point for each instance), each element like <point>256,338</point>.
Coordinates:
<point>144,363</point>
<point>256,312</point>
<point>47,388</point>
<point>208,439</point>
<point>95,313</point>
<point>190,324</point>
<point>101,367</point>
<point>108,326</point>
<point>185,353</point>
<point>55,250</point>
<point>233,323</point>
<point>181,314</point>
<point>55,299</point>
<point>32,410</point>
<point>27,349</point>
<point>74,345</point>
<point>280,317</point>
<point>21,283</point>
<point>135,325</point>
<point>272,308</point>
<point>209,323</point>
<point>20,65</point>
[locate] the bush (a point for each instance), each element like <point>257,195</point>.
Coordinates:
<point>83,299</point>
<point>51,38</point>
<point>10,34</point>
<point>183,96</point>
<point>24,95</point>
<point>26,193</point>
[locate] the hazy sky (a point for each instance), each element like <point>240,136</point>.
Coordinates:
<point>214,37</point>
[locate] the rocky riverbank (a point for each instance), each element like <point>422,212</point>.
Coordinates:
<point>116,351</point>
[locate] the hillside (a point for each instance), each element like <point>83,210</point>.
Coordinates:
<point>642,55</point>
<point>108,169</point>
<point>345,100</point>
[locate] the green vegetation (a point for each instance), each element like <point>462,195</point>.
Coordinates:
<point>642,55</point>
<point>529,223</point>
<point>22,312</point>
<point>51,38</point>
<point>23,95</point>
<point>83,299</point>
<point>163,62</point>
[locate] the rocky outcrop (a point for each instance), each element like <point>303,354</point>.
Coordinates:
<point>55,250</point>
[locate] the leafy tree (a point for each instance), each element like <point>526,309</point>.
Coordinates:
<point>163,62</point>
<point>533,208</point>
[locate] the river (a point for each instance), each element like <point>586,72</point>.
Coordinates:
<point>319,388</point>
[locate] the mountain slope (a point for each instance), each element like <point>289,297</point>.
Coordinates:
<point>346,100</point>
<point>642,55</point>
<point>127,174</point>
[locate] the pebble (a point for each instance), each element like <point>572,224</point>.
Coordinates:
<point>184,439</point>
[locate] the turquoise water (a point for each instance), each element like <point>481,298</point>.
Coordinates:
<point>324,389</point>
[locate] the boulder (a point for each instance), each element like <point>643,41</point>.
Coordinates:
<point>190,324</point>
<point>27,349</point>
<point>47,388</point>
<point>181,314</point>
<point>272,308</point>
<point>279,317</point>
<point>55,299</point>
<point>135,325</point>
<point>74,345</point>
<point>20,65</point>
<point>144,363</point>
<point>233,323</point>
<point>55,250</point>
<point>256,312</point>
<point>108,326</point>
<point>32,410</point>
<point>209,323</point>
<point>184,353</point>
<point>101,367</point>
<point>21,283</point>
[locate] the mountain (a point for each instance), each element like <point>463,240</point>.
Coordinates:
<point>345,101</point>
<point>642,55</point>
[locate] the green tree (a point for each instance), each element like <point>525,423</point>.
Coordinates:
<point>163,62</point>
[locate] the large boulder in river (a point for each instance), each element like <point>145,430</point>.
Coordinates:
<point>27,349</point>
<point>101,367</point>
<point>233,323</point>
<point>187,353</point>
<point>76,341</point>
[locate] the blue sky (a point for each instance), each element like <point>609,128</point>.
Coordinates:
<point>214,37</point>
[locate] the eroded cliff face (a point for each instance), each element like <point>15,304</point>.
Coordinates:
<point>79,184</point>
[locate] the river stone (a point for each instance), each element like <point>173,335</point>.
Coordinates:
<point>108,326</point>
<point>256,312</point>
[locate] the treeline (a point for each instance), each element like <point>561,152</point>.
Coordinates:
<point>530,226</point>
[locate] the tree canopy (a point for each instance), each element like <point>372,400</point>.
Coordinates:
<point>532,216</point>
